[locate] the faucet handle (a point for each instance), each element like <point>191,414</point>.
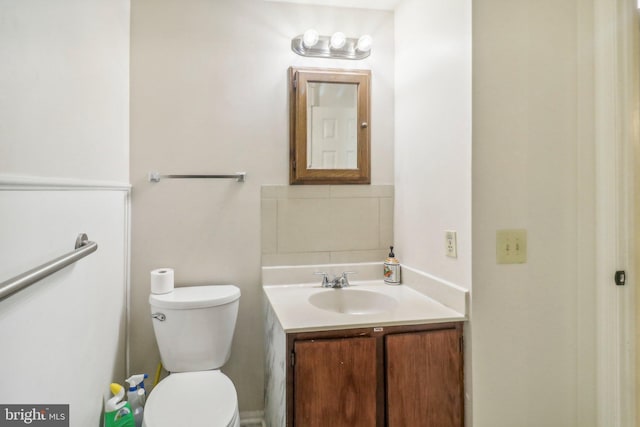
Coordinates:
<point>325,278</point>
<point>343,278</point>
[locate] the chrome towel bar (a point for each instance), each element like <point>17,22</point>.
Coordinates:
<point>238,176</point>
<point>83,248</point>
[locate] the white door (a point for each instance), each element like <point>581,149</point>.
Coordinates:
<point>334,140</point>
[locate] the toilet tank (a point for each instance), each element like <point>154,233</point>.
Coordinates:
<point>194,326</point>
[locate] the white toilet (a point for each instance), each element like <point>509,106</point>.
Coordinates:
<point>194,328</point>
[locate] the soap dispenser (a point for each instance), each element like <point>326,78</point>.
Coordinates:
<point>391,269</point>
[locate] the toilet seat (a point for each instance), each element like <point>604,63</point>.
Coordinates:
<point>193,399</point>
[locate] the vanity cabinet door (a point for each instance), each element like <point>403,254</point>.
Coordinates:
<point>424,379</point>
<point>335,382</point>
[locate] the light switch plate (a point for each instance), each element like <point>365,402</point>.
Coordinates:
<point>451,244</point>
<point>511,246</point>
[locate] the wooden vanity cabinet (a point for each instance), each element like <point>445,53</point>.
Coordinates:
<point>337,377</point>
<point>395,376</point>
<point>424,378</point>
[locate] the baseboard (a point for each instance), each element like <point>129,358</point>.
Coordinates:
<point>252,419</point>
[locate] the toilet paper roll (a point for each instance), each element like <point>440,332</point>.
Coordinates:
<point>162,281</point>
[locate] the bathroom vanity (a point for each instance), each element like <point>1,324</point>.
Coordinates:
<point>367,355</point>
<point>408,375</point>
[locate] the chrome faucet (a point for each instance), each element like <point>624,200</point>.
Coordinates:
<point>340,281</point>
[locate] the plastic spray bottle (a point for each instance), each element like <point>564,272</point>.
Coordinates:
<point>117,412</point>
<point>137,397</point>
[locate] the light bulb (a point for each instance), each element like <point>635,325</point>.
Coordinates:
<point>310,38</point>
<point>338,40</point>
<point>364,43</point>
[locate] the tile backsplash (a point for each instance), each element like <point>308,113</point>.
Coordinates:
<point>326,224</point>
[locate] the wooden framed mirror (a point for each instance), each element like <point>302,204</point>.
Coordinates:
<point>330,126</point>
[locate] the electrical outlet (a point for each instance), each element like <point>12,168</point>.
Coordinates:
<point>451,244</point>
<point>511,246</point>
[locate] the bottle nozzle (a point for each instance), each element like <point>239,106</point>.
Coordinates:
<point>116,389</point>
<point>135,381</point>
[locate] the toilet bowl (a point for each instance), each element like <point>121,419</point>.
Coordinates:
<point>194,328</point>
<point>205,398</point>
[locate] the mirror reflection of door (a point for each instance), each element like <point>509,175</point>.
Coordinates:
<point>332,137</point>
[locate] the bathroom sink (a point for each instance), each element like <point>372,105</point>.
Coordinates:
<point>352,301</point>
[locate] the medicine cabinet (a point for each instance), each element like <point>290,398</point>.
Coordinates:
<point>330,126</point>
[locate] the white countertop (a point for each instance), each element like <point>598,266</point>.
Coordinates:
<point>296,314</point>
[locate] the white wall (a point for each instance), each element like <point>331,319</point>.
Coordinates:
<point>209,95</point>
<point>63,337</point>
<point>63,170</point>
<point>65,88</point>
<point>433,136</point>
<point>532,324</point>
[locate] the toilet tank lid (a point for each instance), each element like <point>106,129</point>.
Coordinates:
<point>196,297</point>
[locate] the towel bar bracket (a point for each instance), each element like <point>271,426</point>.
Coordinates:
<point>81,241</point>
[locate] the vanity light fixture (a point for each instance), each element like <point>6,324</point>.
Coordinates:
<point>310,38</point>
<point>335,46</point>
<point>338,40</point>
<point>364,43</point>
